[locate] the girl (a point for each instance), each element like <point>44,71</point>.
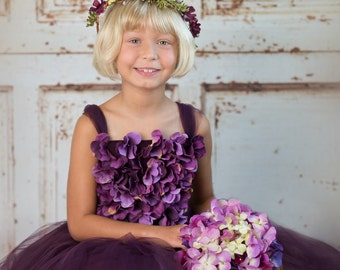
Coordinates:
<point>139,162</point>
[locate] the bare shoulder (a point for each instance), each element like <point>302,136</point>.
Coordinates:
<point>203,124</point>
<point>84,127</point>
<point>81,158</point>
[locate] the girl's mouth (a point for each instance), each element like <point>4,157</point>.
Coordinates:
<point>146,70</point>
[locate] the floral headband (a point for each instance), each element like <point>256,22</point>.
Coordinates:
<point>187,12</point>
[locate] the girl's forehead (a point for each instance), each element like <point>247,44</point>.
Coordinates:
<point>148,33</point>
<point>149,22</point>
<point>148,27</point>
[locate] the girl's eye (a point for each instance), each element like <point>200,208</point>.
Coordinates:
<point>164,42</point>
<point>134,41</point>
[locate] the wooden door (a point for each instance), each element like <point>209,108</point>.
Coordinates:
<point>266,75</point>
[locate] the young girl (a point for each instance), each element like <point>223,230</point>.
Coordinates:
<point>140,162</point>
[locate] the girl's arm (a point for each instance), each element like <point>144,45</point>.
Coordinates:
<point>202,184</point>
<point>83,223</point>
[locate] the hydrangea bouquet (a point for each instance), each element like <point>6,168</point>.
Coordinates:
<point>230,236</point>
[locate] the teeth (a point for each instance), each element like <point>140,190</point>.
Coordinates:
<point>147,70</point>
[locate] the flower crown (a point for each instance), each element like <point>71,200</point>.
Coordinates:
<point>187,12</point>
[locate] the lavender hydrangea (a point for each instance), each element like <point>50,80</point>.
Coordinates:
<point>230,236</point>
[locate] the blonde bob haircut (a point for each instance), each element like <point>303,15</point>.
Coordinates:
<point>136,15</point>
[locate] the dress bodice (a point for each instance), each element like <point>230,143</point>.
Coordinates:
<point>146,181</point>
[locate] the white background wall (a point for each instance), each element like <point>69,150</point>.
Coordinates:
<point>266,75</point>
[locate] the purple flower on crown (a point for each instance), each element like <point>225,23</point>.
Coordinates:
<point>187,12</point>
<point>190,17</point>
<point>98,7</point>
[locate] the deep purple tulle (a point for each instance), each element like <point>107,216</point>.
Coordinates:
<point>305,253</point>
<point>52,248</point>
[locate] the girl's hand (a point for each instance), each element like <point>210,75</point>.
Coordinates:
<point>171,235</point>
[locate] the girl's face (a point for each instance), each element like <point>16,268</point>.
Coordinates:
<point>147,58</point>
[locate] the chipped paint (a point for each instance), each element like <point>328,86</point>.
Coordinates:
<point>222,7</point>
<point>329,185</point>
<point>7,168</point>
<point>5,8</point>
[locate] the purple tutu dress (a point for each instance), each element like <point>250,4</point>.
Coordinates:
<point>149,182</point>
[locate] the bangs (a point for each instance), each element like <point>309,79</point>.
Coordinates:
<point>150,15</point>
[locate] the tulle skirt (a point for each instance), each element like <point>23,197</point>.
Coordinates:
<point>52,248</point>
<point>305,253</point>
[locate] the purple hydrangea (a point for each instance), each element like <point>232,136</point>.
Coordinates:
<point>230,236</point>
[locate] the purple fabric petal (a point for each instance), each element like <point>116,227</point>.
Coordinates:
<point>128,147</point>
<point>144,182</point>
<point>126,200</point>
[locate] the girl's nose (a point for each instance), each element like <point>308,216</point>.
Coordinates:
<point>150,50</point>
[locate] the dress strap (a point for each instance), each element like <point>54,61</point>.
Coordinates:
<point>187,114</point>
<point>96,115</point>
<point>186,111</point>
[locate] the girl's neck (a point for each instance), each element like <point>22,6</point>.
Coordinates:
<point>142,102</point>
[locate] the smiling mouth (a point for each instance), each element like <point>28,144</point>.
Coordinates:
<point>146,70</point>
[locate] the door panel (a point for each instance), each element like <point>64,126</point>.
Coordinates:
<point>7,163</point>
<point>277,148</point>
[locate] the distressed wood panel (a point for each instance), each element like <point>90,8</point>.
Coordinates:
<point>256,26</point>
<point>7,203</point>
<point>274,7</point>
<point>4,8</point>
<point>61,10</point>
<point>268,68</point>
<point>272,25</point>
<point>38,26</point>
<point>60,108</point>
<point>277,148</point>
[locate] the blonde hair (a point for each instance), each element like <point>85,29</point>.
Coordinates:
<point>136,14</point>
